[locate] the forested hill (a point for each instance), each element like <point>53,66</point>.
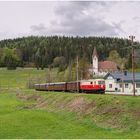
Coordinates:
<point>41,51</point>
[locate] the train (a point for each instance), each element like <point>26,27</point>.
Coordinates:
<point>82,86</point>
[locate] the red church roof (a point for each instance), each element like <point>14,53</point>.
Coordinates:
<point>107,66</point>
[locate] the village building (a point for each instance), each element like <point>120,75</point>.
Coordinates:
<point>122,82</point>
<point>102,67</point>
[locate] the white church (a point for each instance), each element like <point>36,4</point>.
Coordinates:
<point>101,68</point>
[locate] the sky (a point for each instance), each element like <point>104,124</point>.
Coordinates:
<point>69,18</point>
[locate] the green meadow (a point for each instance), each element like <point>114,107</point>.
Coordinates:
<point>19,78</point>
<point>26,113</point>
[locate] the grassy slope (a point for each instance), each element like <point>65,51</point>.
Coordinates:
<point>59,115</point>
<point>56,117</point>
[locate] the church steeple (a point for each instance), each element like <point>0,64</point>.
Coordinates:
<point>95,61</point>
<point>95,53</point>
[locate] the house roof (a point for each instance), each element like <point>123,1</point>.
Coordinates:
<point>108,65</point>
<point>128,77</point>
<point>94,52</point>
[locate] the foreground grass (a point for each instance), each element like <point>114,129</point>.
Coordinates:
<point>27,118</point>
<point>22,123</point>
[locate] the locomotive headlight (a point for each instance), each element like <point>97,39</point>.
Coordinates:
<point>102,86</point>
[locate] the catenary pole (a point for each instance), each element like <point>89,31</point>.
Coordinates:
<point>77,75</point>
<point>133,70</point>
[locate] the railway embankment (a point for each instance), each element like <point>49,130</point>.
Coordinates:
<point>106,111</point>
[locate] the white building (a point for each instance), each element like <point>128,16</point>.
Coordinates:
<point>122,82</point>
<point>102,67</point>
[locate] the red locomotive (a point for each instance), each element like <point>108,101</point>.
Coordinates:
<point>93,85</point>
<point>87,86</point>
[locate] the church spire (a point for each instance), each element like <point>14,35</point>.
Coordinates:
<point>94,52</point>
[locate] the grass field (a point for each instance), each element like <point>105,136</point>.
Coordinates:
<point>18,78</point>
<point>25,113</point>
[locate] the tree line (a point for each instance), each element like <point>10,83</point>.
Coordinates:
<point>60,51</point>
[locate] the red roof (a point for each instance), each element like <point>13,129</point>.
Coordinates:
<point>107,65</point>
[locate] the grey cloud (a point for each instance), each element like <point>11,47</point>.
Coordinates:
<point>75,22</point>
<point>70,20</point>
<point>86,26</point>
<point>40,27</point>
<point>71,9</point>
<point>75,8</point>
<point>136,18</point>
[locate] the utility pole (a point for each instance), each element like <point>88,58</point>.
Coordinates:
<point>49,76</point>
<point>122,80</point>
<point>132,40</point>
<point>70,71</point>
<point>77,74</point>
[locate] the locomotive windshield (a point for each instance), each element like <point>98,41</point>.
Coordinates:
<point>101,82</point>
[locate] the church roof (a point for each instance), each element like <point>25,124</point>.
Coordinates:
<point>94,52</point>
<point>108,65</point>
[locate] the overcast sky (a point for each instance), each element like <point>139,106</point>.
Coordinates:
<point>113,19</point>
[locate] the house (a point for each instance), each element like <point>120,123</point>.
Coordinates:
<point>102,67</point>
<point>122,82</point>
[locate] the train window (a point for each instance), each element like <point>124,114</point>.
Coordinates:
<point>91,83</point>
<point>103,82</point>
<point>95,83</point>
